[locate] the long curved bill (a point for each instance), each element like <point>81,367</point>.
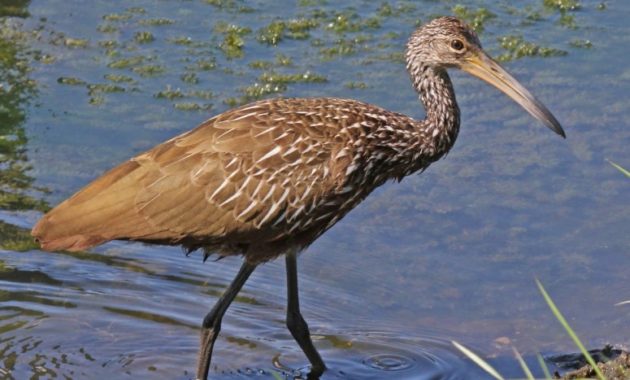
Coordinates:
<point>484,67</point>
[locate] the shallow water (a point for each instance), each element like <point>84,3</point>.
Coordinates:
<point>447,255</point>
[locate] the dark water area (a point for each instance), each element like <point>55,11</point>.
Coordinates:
<point>451,254</point>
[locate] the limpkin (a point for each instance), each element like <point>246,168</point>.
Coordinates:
<point>270,177</point>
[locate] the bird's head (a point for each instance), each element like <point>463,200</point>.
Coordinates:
<point>448,42</point>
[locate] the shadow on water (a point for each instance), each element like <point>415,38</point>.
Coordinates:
<point>385,291</point>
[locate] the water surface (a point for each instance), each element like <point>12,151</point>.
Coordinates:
<point>447,255</point>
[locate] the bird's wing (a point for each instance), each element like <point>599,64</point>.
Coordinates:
<point>235,175</point>
<point>249,174</point>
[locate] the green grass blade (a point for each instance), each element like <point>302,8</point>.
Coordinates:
<point>544,367</point>
<point>276,376</point>
<point>570,331</point>
<point>620,168</point>
<point>479,361</point>
<point>528,373</point>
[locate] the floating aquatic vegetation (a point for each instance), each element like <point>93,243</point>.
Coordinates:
<point>189,106</point>
<point>137,10</point>
<point>125,63</point>
<point>386,10</point>
<point>183,40</point>
<point>534,16</point>
<point>398,57</point>
<point>582,44</point>
<point>517,47</point>
<point>255,92</point>
<point>189,78</point>
<point>344,47</point>
<point>206,64</point>
<point>355,85</point>
<point>149,70</point>
<point>230,5</point>
<point>232,45</point>
<point>72,81</point>
<point>107,28</point>
<point>259,64</point>
<point>118,78</point>
<point>201,94</point>
<point>108,44</point>
<point>103,88</point>
<point>350,22</point>
<point>76,42</point>
<point>156,21</point>
<point>403,7</point>
<point>299,28</point>
<point>476,19</point>
<point>258,90</point>
<point>567,20</point>
<point>311,3</point>
<point>144,37</point>
<point>270,83</point>
<point>170,94</point>
<point>272,33</point>
<point>281,60</point>
<point>563,5</point>
<point>96,91</point>
<point>96,100</point>
<point>117,17</point>
<point>276,31</point>
<point>46,59</point>
<point>306,77</point>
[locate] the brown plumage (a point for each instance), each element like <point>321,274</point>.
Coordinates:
<point>270,177</point>
<point>256,180</point>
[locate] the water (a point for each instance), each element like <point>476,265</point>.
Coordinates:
<point>447,255</point>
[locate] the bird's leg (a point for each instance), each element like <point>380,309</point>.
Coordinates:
<point>296,324</point>
<point>212,322</point>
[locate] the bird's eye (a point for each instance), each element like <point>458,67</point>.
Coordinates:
<point>457,45</point>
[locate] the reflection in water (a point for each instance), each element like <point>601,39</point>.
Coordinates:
<point>15,238</point>
<point>14,8</point>
<point>18,310</point>
<point>17,90</point>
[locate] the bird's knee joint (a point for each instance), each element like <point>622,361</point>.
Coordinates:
<point>296,323</point>
<point>211,322</point>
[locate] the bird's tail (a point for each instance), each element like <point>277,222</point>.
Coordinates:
<point>101,211</point>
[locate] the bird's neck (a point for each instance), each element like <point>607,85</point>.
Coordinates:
<point>441,126</point>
